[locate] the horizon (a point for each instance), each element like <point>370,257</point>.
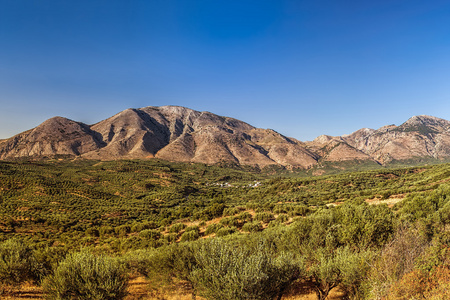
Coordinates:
<point>301,68</point>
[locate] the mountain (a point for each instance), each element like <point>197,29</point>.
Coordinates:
<point>419,137</point>
<point>56,136</point>
<point>177,133</point>
<point>169,132</point>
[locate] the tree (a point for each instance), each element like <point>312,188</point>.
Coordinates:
<point>342,266</point>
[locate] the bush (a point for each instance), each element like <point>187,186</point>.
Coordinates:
<point>282,218</point>
<point>150,234</point>
<point>231,272</point>
<point>252,227</point>
<point>86,276</point>
<point>191,235</point>
<point>213,228</point>
<point>176,228</point>
<point>225,231</point>
<point>266,217</point>
<point>192,228</point>
<point>16,262</point>
<point>142,226</point>
<point>230,211</point>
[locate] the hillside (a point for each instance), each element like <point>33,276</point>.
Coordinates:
<point>420,138</point>
<point>175,224</point>
<point>181,134</point>
<point>169,132</point>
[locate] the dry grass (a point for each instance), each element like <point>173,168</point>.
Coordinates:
<point>140,289</point>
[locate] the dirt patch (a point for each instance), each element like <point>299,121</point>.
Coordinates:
<point>391,201</point>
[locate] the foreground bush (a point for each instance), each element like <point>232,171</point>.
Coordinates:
<point>16,262</point>
<point>86,276</point>
<point>225,271</point>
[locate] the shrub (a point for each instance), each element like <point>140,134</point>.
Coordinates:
<point>104,230</point>
<point>252,227</point>
<point>142,226</point>
<point>213,228</point>
<point>123,230</point>
<point>282,218</point>
<point>16,262</point>
<point>191,235</point>
<point>230,211</point>
<point>192,228</point>
<point>176,228</point>
<point>225,231</point>
<point>150,234</point>
<point>86,276</point>
<point>266,217</point>
<point>300,210</point>
<point>245,216</point>
<point>232,272</point>
<point>92,232</point>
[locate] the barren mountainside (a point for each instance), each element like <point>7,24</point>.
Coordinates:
<point>419,137</point>
<point>180,134</point>
<point>168,132</point>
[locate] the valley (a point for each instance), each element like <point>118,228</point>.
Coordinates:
<point>158,219</point>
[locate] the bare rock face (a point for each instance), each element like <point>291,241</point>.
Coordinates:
<point>419,137</point>
<point>170,132</point>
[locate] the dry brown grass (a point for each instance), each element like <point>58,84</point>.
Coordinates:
<point>139,288</point>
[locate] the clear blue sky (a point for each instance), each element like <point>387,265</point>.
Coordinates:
<point>303,68</point>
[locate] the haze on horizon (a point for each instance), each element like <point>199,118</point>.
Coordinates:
<point>302,68</point>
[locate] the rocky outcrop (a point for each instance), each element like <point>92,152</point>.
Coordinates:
<point>419,137</point>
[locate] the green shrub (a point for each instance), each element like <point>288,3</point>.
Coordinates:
<point>84,276</point>
<point>299,210</point>
<point>225,231</point>
<point>265,217</point>
<point>92,232</point>
<point>245,216</point>
<point>123,230</point>
<point>144,225</point>
<point>16,262</point>
<point>227,271</point>
<point>192,228</point>
<point>252,227</point>
<point>282,218</point>
<point>190,236</point>
<point>230,211</point>
<point>104,230</point>
<point>213,228</point>
<point>150,234</point>
<point>176,228</point>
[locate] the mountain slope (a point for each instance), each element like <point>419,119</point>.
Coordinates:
<point>181,134</point>
<point>168,132</point>
<point>56,136</point>
<point>419,137</point>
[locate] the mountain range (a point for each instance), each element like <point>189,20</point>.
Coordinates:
<point>177,133</point>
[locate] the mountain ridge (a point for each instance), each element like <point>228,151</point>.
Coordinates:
<point>178,133</point>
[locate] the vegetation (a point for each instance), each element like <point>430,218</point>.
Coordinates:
<point>86,276</point>
<point>373,234</point>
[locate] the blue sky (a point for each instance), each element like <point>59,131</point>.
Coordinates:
<point>303,68</point>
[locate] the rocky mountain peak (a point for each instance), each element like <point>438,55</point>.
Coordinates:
<point>424,124</point>
<point>178,133</point>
